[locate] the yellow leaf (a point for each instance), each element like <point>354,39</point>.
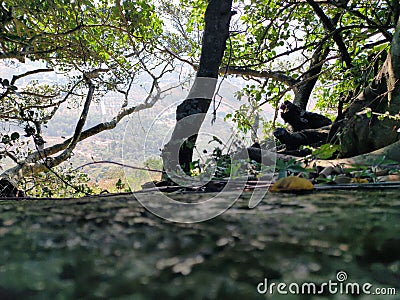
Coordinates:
<point>359,180</point>
<point>291,184</point>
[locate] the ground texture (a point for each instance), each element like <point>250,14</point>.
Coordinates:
<point>113,248</point>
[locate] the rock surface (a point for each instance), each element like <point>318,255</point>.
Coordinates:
<point>113,248</point>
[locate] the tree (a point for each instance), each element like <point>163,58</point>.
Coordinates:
<point>100,47</point>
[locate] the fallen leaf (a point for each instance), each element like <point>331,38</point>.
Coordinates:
<point>291,184</point>
<point>359,180</point>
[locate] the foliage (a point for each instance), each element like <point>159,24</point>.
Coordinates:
<point>371,170</point>
<point>326,151</point>
<point>62,182</point>
<point>154,163</point>
<point>219,164</point>
<point>369,113</point>
<point>122,187</point>
<point>80,33</point>
<point>64,48</point>
<point>289,167</point>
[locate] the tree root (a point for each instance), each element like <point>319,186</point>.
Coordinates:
<point>391,152</point>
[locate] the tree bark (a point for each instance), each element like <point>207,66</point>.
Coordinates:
<point>191,112</point>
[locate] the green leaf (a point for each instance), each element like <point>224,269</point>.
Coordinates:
<point>326,151</point>
<point>380,48</point>
<point>297,169</point>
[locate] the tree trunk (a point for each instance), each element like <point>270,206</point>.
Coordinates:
<point>305,89</point>
<point>362,132</point>
<point>191,112</point>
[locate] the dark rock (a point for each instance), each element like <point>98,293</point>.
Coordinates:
<point>256,145</point>
<point>307,129</point>
<point>259,155</point>
<point>297,152</point>
<point>300,119</point>
<point>293,141</point>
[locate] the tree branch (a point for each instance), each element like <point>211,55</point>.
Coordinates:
<point>326,21</point>
<point>16,77</point>
<point>33,164</point>
<point>359,15</point>
<point>276,75</point>
<point>40,96</point>
<point>78,129</point>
